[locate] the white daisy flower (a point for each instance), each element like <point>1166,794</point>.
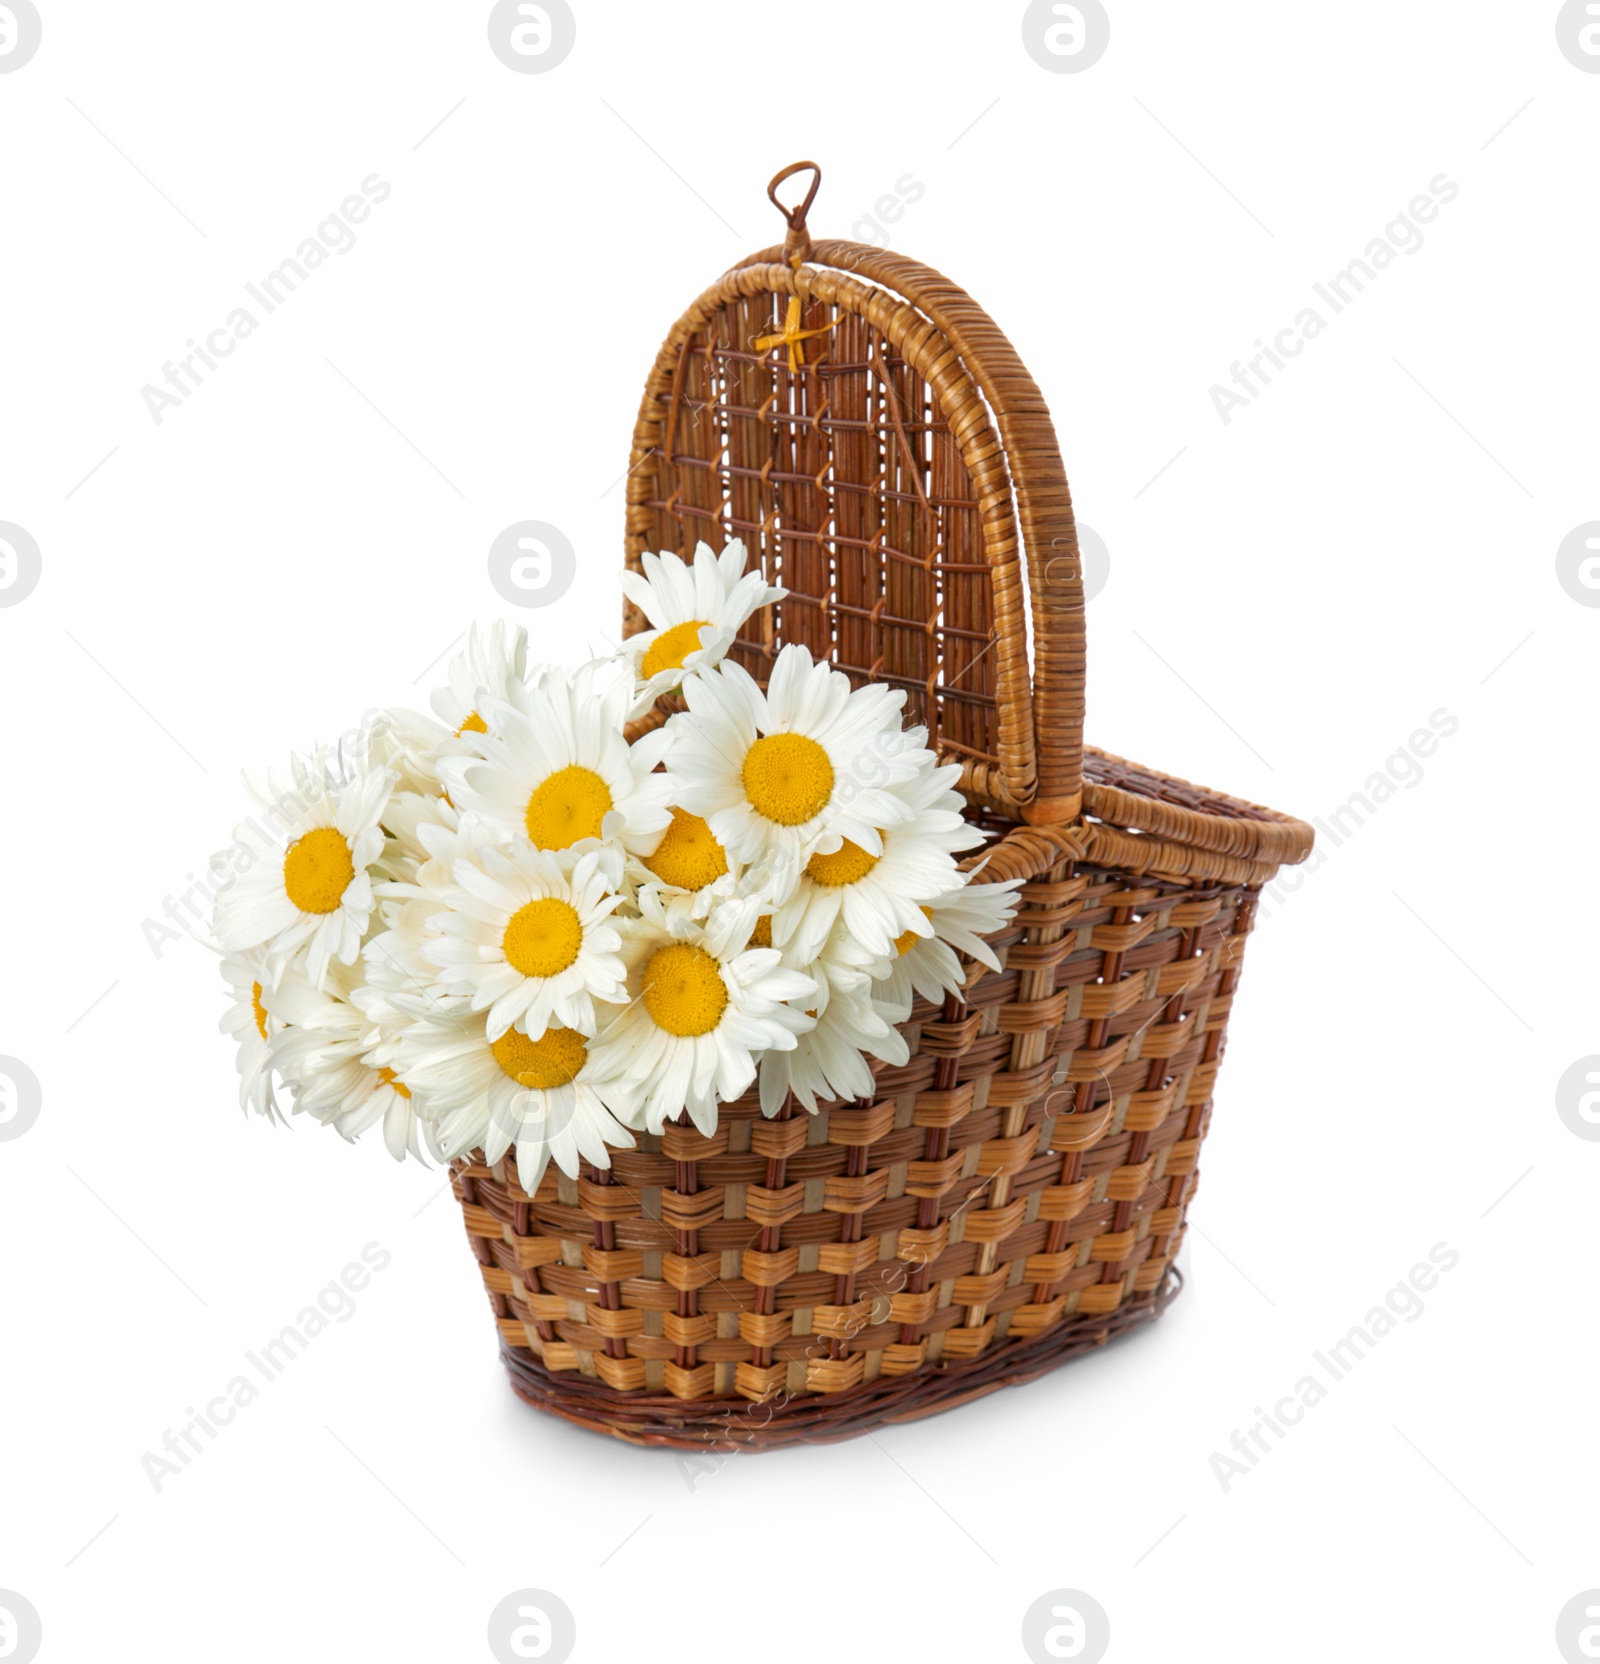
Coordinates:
<point>249,1023</point>
<point>926,964</point>
<point>538,1095</point>
<point>879,897</point>
<point>301,890</point>
<point>525,935</point>
<point>490,668</point>
<point>560,771</point>
<point>795,770</point>
<point>688,860</point>
<point>702,1004</point>
<point>827,1059</point>
<point>695,613</point>
<point>328,1051</point>
<point>691,868</point>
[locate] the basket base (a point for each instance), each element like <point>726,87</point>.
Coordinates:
<point>727,1425</point>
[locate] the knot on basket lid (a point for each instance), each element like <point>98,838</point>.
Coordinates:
<point>797,240</point>
<point>796,250</point>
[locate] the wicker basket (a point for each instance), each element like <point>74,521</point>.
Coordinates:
<point>1015,1194</point>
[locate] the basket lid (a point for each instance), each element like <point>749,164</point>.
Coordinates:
<point>868,431</point>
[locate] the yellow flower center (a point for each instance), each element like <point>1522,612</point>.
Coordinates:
<point>672,647</point>
<point>787,778</point>
<point>473,725</point>
<point>688,856</point>
<point>386,1077</point>
<point>683,989</point>
<point>552,1060</point>
<point>542,938</point>
<point>761,936</point>
<point>317,870</point>
<point>848,864</point>
<point>259,1009</point>
<point>908,939</point>
<point>570,804</point>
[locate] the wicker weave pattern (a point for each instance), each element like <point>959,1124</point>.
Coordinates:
<point>1042,502</point>
<point>1015,1194</point>
<point>876,492</point>
<point>1029,1166</point>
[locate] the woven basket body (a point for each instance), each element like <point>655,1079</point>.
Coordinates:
<point>1015,1194</point>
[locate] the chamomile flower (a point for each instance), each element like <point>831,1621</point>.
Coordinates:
<point>827,1059</point>
<point>702,1004</point>
<point>525,935</point>
<point>326,1051</point>
<point>691,868</point>
<point>306,893</point>
<point>688,858</point>
<point>560,771</point>
<point>695,613</point>
<point>537,1095</point>
<point>879,897</point>
<point>795,770</point>
<point>492,667</point>
<point>926,964</point>
<point>251,1026</point>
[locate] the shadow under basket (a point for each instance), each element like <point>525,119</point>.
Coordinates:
<point>1014,1195</point>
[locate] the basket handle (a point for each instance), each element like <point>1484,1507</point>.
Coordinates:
<point>1038,479</point>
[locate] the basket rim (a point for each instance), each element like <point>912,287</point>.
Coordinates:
<point>1228,825</point>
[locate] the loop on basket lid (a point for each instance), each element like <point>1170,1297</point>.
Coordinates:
<point>797,244</point>
<point>796,251</point>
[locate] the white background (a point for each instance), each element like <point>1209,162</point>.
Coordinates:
<point>1364,545</point>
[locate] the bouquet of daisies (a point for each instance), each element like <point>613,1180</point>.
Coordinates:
<point>508,926</point>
